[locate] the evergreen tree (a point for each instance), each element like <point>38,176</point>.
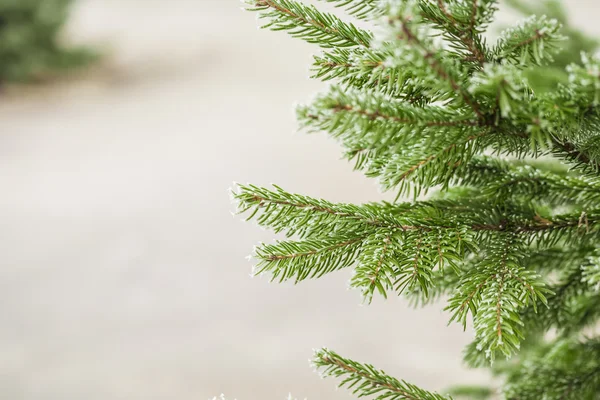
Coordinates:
<point>504,135</point>
<point>29,40</point>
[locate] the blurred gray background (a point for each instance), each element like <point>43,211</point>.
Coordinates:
<point>123,273</point>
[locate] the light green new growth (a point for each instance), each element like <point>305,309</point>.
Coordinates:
<point>505,135</point>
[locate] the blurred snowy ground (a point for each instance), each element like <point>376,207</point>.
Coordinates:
<point>122,271</point>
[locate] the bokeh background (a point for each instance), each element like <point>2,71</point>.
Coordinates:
<point>122,270</point>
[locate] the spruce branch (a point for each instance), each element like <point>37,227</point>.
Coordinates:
<point>395,247</point>
<point>577,157</point>
<point>369,68</point>
<point>366,381</point>
<point>310,258</point>
<point>376,267</point>
<point>494,293</point>
<point>559,258</point>
<point>444,281</point>
<point>535,41</point>
<point>308,217</point>
<point>402,25</point>
<point>361,9</point>
<point>504,180</point>
<point>374,121</point>
<point>584,84</point>
<point>310,24</point>
<point>376,107</point>
<point>424,166</point>
<point>459,27</point>
<point>502,87</point>
<point>427,105</point>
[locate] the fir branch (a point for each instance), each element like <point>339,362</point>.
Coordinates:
<point>361,9</point>
<point>425,165</point>
<point>502,88</point>
<point>412,269</point>
<point>376,266</point>
<point>585,314</point>
<point>369,69</point>
<point>577,157</point>
<point>504,180</point>
<point>310,258</point>
<point>310,24</point>
<point>535,40</point>
<point>405,33</point>
<point>366,381</point>
<point>417,114</point>
<point>432,137</point>
<point>309,217</point>
<point>461,32</point>
<point>494,293</point>
<point>372,111</point>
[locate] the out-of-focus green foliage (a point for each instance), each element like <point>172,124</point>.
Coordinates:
<point>30,45</point>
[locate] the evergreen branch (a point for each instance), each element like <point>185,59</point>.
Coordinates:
<point>432,137</point>
<point>442,6</point>
<point>581,221</point>
<point>309,217</point>
<point>494,293</point>
<point>461,32</point>
<point>502,88</point>
<point>310,24</point>
<point>474,15</point>
<point>376,266</point>
<point>374,115</point>
<point>412,269</point>
<point>504,180</point>
<point>340,234</point>
<point>361,9</point>
<point>535,40</point>
<point>354,115</point>
<point>577,41</point>
<point>418,112</point>
<point>407,261</point>
<point>425,166</point>
<point>369,69</point>
<point>375,279</point>
<point>585,314</point>
<point>570,117</point>
<point>366,381</point>
<point>433,157</point>
<point>437,66</point>
<point>569,151</point>
<point>583,90</point>
<point>310,258</point>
